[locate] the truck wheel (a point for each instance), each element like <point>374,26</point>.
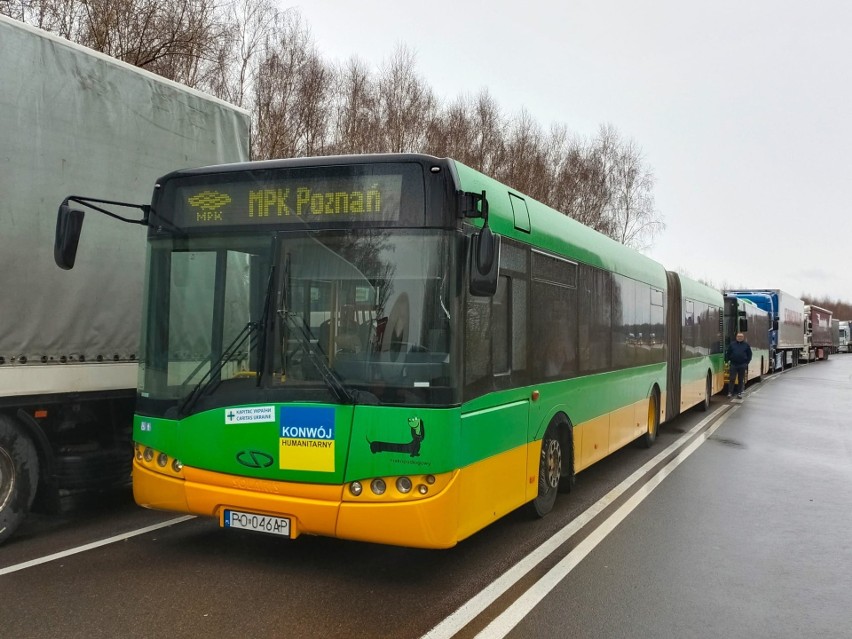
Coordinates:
<point>18,476</point>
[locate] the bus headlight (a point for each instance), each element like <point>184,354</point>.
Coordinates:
<point>378,486</point>
<point>403,484</point>
<point>356,488</point>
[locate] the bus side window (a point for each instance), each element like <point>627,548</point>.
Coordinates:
<point>519,331</point>
<point>594,309</point>
<point>514,266</point>
<point>554,318</point>
<point>501,327</point>
<point>477,344</point>
<point>623,322</point>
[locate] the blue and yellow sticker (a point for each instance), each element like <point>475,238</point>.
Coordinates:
<point>307,439</point>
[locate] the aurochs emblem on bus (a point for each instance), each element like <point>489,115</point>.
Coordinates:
<point>209,205</point>
<point>418,434</point>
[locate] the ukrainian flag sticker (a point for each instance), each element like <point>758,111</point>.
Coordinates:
<point>307,439</point>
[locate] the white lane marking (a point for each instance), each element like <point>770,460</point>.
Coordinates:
<point>473,607</point>
<point>94,544</point>
<point>512,616</point>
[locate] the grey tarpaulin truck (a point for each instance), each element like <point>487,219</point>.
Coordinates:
<point>76,121</point>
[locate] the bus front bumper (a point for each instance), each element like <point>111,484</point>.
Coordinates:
<point>313,509</point>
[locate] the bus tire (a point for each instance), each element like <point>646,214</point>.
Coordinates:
<point>647,440</point>
<point>18,476</point>
<point>566,433</point>
<point>708,391</point>
<point>549,471</point>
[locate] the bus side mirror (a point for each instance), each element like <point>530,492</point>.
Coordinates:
<point>484,263</point>
<point>473,205</point>
<point>486,246</point>
<point>69,225</point>
<point>743,325</point>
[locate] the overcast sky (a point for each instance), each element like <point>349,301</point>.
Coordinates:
<point>743,110</point>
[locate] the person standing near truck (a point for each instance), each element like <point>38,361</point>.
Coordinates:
<point>739,357</point>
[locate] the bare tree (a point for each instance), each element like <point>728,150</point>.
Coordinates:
<point>291,94</point>
<point>451,132</point>
<point>405,105</point>
<point>523,164</point>
<point>355,119</point>
<point>250,27</point>
<point>579,186</point>
<point>630,207</point>
<point>490,126</point>
<point>61,17</point>
<point>172,39</point>
<point>471,130</point>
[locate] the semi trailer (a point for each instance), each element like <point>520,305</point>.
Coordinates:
<point>73,120</point>
<point>787,332</point>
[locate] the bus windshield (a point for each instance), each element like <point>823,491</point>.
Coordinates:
<point>357,316</point>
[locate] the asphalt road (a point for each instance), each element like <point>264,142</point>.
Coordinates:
<point>736,524</point>
<point>752,537</point>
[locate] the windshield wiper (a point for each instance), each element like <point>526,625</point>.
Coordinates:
<point>328,375</point>
<point>210,377</point>
<point>261,359</point>
<point>303,332</point>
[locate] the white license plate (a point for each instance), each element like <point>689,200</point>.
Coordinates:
<point>258,523</point>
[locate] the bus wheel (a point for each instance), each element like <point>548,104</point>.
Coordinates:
<point>549,471</point>
<point>708,391</point>
<point>18,476</point>
<point>566,432</point>
<point>650,435</point>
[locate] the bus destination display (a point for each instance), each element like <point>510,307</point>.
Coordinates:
<point>241,201</point>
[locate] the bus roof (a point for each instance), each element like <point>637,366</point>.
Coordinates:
<point>700,292</point>
<point>556,232</point>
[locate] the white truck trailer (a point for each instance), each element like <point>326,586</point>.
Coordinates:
<point>844,336</point>
<point>787,334</point>
<point>76,121</point>
<point>835,335</point>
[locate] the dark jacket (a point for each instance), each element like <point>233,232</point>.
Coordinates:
<point>739,353</point>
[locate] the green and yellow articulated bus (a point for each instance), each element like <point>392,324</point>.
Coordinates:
<point>392,348</point>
